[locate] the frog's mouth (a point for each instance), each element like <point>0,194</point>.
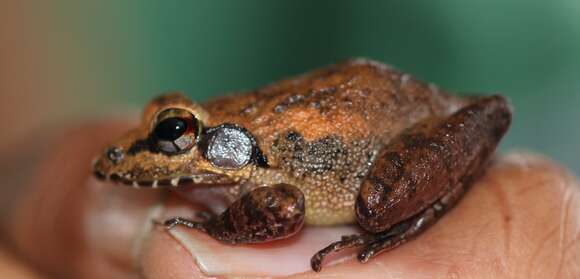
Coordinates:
<point>194,179</point>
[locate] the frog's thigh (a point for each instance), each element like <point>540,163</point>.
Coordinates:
<point>431,159</point>
<point>423,173</point>
<point>264,214</point>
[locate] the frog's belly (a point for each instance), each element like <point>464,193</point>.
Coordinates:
<point>331,211</point>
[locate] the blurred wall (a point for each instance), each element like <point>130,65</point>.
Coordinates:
<point>93,57</point>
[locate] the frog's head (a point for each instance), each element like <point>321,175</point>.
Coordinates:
<point>172,146</point>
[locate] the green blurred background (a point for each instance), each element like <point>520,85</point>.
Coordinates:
<point>115,54</point>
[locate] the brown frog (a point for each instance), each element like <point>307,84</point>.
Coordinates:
<point>354,143</point>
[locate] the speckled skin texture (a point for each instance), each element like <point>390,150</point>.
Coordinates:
<point>354,142</point>
<point>319,131</point>
<point>322,130</point>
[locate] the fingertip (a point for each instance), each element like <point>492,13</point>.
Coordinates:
<point>512,222</point>
<point>526,176</point>
<point>528,162</point>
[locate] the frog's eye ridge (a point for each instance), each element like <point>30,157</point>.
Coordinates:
<point>176,131</point>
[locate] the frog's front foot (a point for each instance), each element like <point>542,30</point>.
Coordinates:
<point>173,222</point>
<point>264,214</point>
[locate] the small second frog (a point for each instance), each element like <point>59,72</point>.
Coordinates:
<point>354,143</point>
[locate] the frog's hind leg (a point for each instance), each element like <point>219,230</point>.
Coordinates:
<point>407,229</point>
<point>391,238</point>
<point>264,214</point>
<point>421,174</point>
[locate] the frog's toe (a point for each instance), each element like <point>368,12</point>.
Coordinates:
<point>347,241</point>
<point>179,221</point>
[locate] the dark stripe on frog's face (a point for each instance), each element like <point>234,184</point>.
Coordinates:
<point>257,156</point>
<point>140,146</point>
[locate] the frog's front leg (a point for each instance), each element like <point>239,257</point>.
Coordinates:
<point>264,214</point>
<point>422,174</point>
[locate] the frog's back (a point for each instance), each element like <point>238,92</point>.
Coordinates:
<point>322,129</point>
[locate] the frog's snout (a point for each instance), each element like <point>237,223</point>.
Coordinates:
<point>111,157</point>
<point>97,171</point>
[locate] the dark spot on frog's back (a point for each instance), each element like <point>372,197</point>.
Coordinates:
<point>286,103</point>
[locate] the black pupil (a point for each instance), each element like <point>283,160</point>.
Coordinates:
<point>171,129</point>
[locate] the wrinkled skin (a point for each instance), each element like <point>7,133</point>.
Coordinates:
<point>357,142</point>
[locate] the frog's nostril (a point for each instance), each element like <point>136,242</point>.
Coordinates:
<point>115,155</point>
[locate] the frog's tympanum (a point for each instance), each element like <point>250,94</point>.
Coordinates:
<point>354,143</point>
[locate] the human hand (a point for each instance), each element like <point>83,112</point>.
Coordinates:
<point>520,220</point>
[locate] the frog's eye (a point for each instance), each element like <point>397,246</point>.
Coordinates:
<point>175,131</point>
<point>228,146</point>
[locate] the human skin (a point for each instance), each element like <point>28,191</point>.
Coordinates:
<point>520,220</point>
